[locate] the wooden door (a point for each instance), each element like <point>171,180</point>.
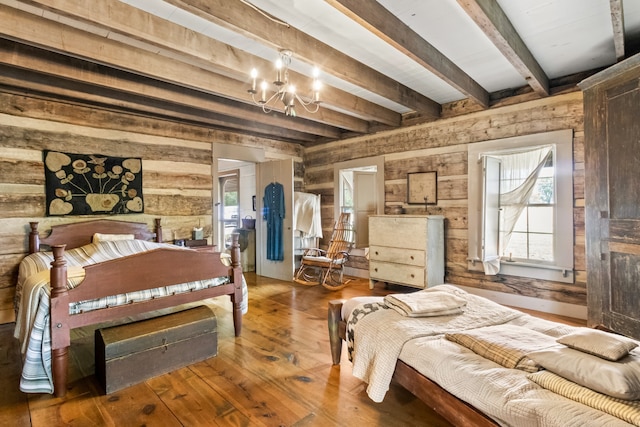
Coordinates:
<point>365,203</point>
<point>275,171</point>
<point>612,197</point>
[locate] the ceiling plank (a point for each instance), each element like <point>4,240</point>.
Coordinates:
<point>617,21</point>
<point>135,27</point>
<point>491,19</point>
<point>249,22</point>
<point>51,35</point>
<point>375,18</point>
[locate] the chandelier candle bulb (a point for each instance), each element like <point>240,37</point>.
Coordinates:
<point>316,90</point>
<point>263,93</point>
<point>254,76</point>
<point>278,81</point>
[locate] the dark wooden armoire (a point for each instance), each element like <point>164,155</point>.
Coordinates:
<point>612,196</point>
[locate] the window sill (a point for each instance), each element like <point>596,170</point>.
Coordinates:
<point>533,271</point>
<point>537,271</point>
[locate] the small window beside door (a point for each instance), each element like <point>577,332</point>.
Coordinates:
<point>229,196</point>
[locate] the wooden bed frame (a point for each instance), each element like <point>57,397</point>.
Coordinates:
<point>454,410</point>
<point>153,269</point>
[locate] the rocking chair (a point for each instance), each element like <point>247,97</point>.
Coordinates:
<point>326,267</point>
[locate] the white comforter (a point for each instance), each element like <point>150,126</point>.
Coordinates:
<point>506,395</point>
<point>33,295</point>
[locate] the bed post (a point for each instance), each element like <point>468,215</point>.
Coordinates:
<point>335,315</point>
<point>59,355</point>
<point>158,230</point>
<point>236,298</point>
<point>34,238</point>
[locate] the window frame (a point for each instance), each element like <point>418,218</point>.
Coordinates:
<point>562,268</point>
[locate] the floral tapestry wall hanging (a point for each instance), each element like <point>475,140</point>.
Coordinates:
<point>78,184</point>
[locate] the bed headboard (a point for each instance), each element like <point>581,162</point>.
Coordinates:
<point>80,233</point>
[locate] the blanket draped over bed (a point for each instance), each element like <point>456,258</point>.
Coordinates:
<point>32,301</point>
<point>375,363</point>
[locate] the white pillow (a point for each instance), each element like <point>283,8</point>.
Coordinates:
<point>599,343</point>
<point>99,237</point>
<point>619,379</point>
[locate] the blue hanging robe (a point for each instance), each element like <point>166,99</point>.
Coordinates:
<point>274,213</point>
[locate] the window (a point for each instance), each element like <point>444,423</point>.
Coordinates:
<point>359,185</point>
<point>521,206</point>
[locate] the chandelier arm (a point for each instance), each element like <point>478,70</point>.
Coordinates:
<point>306,100</point>
<point>311,110</point>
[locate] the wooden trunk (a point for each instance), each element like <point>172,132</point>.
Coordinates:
<point>131,353</point>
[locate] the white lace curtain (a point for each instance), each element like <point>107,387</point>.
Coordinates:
<point>518,175</point>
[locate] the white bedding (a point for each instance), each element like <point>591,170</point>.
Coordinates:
<point>506,395</point>
<point>33,294</point>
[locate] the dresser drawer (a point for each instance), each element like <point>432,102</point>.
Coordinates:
<point>397,255</point>
<point>405,231</point>
<point>397,273</point>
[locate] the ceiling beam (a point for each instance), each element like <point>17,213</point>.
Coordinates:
<point>246,20</point>
<point>33,84</point>
<point>617,21</point>
<point>491,19</point>
<point>51,35</point>
<point>378,20</point>
<point>138,28</point>
<point>51,64</point>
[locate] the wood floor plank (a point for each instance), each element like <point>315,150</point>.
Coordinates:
<point>255,397</point>
<point>277,373</point>
<point>14,408</point>
<point>194,402</point>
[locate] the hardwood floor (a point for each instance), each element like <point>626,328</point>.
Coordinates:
<point>278,373</point>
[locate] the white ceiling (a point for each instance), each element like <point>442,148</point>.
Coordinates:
<point>565,36</point>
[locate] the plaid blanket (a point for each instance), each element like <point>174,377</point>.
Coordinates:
<point>33,299</point>
<point>507,345</point>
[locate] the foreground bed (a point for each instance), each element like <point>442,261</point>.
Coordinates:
<point>89,283</point>
<point>463,386</point>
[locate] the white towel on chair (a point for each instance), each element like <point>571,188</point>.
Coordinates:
<point>425,303</point>
<point>306,214</point>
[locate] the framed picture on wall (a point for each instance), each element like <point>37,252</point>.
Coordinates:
<point>422,188</point>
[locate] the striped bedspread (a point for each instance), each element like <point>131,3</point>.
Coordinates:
<point>33,295</point>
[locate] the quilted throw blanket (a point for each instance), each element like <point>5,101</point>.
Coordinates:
<point>32,301</point>
<point>376,334</point>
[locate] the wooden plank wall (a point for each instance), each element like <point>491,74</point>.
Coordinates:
<point>442,146</point>
<point>177,177</point>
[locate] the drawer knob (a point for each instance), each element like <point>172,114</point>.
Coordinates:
<point>413,276</point>
<point>411,257</point>
<point>375,269</point>
<point>377,253</point>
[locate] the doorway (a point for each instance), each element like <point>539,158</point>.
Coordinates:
<point>231,157</point>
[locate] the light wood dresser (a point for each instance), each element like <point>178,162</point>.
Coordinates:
<point>406,250</point>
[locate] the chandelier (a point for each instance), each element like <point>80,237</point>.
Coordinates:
<point>283,90</point>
